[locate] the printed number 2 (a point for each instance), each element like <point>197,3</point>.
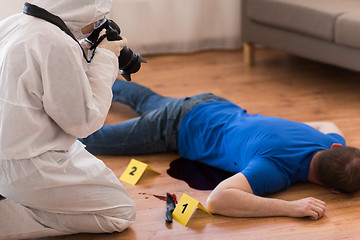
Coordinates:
<point>185,206</point>
<point>133,171</point>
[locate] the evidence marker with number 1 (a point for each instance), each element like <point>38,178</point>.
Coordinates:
<point>185,208</point>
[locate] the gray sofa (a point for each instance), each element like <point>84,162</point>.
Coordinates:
<point>323,30</point>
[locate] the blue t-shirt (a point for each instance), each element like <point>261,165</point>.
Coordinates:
<point>272,153</point>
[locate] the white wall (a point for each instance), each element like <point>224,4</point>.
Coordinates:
<point>169,26</point>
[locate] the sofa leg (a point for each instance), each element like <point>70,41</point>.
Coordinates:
<point>249,53</point>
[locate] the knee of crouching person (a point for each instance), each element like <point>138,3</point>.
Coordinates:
<point>129,211</point>
<point>132,211</point>
<point>123,217</point>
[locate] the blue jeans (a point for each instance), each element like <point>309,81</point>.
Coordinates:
<point>155,130</point>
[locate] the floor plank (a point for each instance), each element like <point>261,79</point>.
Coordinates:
<point>278,85</point>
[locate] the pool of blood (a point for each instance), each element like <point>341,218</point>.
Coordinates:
<point>197,175</point>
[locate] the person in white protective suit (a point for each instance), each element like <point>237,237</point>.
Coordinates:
<point>50,96</point>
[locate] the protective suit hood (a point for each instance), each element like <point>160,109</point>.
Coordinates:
<point>76,13</point>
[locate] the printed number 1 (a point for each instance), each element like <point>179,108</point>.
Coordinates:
<point>185,206</point>
<point>133,171</point>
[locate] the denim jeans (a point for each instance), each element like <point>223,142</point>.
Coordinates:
<point>155,130</point>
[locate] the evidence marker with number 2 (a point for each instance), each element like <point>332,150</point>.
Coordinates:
<point>134,171</point>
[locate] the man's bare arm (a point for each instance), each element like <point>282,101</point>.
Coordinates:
<point>233,197</point>
<point>325,127</point>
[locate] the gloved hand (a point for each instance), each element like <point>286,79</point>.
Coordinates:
<point>114,46</point>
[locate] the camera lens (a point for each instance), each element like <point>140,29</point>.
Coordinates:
<point>129,62</point>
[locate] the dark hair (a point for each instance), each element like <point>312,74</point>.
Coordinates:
<point>339,168</point>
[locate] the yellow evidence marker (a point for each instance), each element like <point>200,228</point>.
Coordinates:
<point>134,171</point>
<point>185,209</point>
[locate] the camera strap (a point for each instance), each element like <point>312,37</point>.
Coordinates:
<point>41,13</point>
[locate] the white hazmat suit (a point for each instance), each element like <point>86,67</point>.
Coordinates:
<point>50,96</point>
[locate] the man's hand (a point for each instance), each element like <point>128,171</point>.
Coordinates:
<point>308,207</point>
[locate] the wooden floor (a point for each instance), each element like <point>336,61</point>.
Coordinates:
<point>279,85</point>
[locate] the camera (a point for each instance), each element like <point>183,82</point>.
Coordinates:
<point>129,62</point>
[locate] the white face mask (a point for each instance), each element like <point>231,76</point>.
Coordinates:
<point>79,35</point>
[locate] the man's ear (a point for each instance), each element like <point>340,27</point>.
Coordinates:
<point>336,145</point>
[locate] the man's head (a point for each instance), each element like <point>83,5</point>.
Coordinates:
<point>76,13</point>
<point>339,168</point>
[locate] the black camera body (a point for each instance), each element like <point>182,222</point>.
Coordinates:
<point>129,62</point>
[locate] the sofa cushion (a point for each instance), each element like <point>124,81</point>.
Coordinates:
<point>347,29</point>
<point>316,18</point>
